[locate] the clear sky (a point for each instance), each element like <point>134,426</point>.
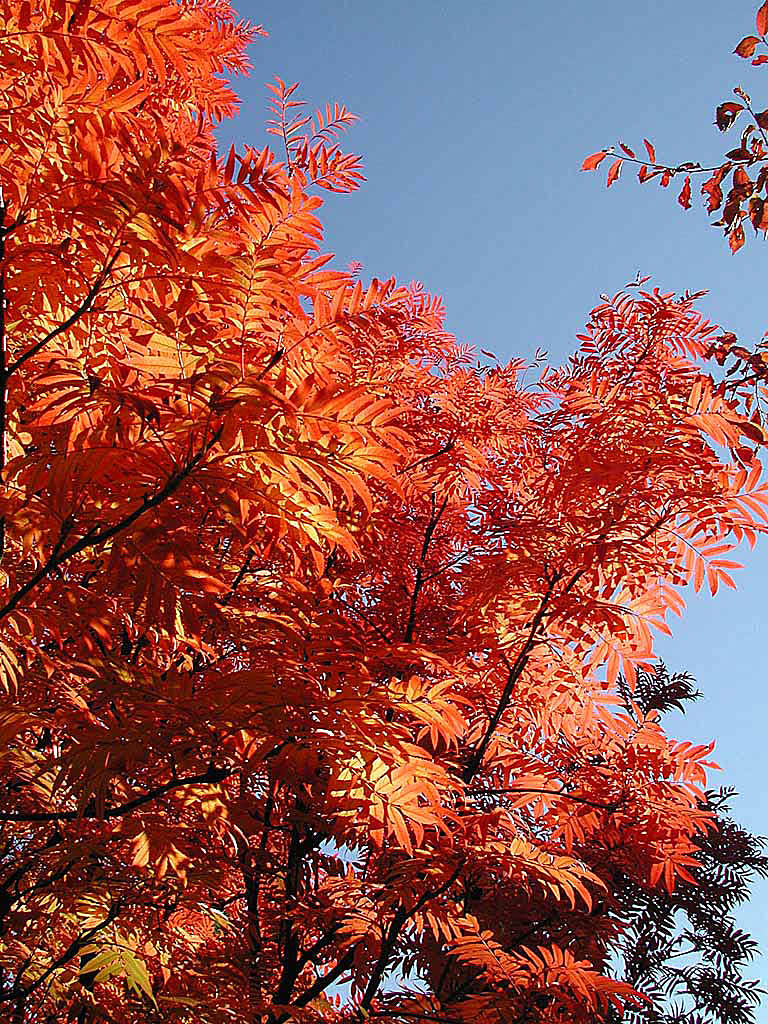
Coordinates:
<point>475,120</point>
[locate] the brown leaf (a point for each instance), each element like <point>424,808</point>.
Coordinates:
<point>747,46</point>
<point>726,114</point>
<point>711,188</point>
<point>731,210</point>
<point>741,178</point>
<point>758,214</point>
<point>752,431</point>
<point>685,196</point>
<point>736,238</point>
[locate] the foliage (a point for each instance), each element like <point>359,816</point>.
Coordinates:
<point>737,187</point>
<point>694,970</point>
<point>736,191</point>
<point>311,621</point>
<point>684,949</point>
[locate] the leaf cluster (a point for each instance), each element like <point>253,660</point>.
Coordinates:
<point>322,639</point>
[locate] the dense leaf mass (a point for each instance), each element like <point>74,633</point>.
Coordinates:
<point>311,621</point>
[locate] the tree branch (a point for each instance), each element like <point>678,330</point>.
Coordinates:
<point>18,991</point>
<point>239,578</point>
<point>83,308</point>
<point>94,537</point>
<point>211,775</point>
<point>399,919</point>
<point>447,447</point>
<point>511,790</point>
<point>434,519</point>
<point>516,669</point>
<point>320,984</point>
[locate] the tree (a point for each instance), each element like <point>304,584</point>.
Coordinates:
<point>735,191</point>
<point>708,982</point>
<point>312,622</point>
<point>684,949</point>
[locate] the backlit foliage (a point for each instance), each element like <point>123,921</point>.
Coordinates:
<point>736,191</point>
<point>311,622</point>
<point>736,188</point>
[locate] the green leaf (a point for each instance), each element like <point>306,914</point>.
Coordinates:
<point>137,976</point>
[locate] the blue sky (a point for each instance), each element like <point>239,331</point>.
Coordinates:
<point>474,121</point>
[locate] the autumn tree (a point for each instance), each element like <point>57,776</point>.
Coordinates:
<point>684,949</point>
<point>312,623</point>
<point>708,983</point>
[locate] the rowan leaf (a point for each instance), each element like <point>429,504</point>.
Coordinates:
<point>613,172</point>
<point>591,163</point>
<point>327,645</point>
<point>747,46</point>
<point>685,195</point>
<point>726,114</point>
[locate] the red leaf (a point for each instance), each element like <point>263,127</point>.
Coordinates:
<point>741,178</point>
<point>711,188</point>
<point>757,213</point>
<point>762,59</point>
<point>747,46</point>
<point>614,172</point>
<point>736,238</point>
<point>594,161</point>
<point>229,168</point>
<point>762,118</point>
<point>656,873</point>
<point>685,196</point>
<point>762,19</point>
<point>79,16</point>
<point>627,150</point>
<point>651,151</point>
<point>726,114</point>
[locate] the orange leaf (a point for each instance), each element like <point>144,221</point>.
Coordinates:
<point>747,46</point>
<point>685,196</point>
<point>614,172</point>
<point>593,162</point>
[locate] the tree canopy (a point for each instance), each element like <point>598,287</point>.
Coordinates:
<point>319,629</point>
